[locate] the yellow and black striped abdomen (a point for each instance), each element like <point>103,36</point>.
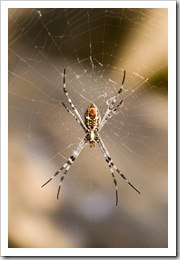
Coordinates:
<point>91,117</point>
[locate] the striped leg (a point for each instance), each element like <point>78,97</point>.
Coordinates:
<point>109,161</point>
<point>113,112</point>
<point>111,164</point>
<point>71,103</point>
<point>111,103</point>
<point>68,164</point>
<point>113,176</point>
<point>71,113</point>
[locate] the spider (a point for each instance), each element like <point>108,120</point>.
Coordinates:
<point>92,125</point>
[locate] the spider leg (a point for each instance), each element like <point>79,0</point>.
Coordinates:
<point>114,110</point>
<point>112,101</point>
<point>106,156</point>
<point>113,176</point>
<point>111,164</point>
<point>68,164</point>
<point>71,113</point>
<point>71,103</point>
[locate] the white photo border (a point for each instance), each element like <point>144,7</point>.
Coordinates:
<point>171,250</point>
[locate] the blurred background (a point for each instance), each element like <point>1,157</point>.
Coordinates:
<point>95,46</point>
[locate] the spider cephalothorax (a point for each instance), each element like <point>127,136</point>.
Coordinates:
<point>92,125</point>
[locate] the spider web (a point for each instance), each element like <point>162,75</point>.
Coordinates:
<point>95,46</point>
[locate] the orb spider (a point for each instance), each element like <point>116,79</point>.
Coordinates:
<point>92,125</point>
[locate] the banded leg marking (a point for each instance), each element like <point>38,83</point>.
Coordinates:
<point>113,101</point>
<point>68,164</point>
<point>124,177</point>
<point>111,163</point>
<point>113,176</point>
<point>71,103</point>
<point>71,113</point>
<point>111,113</point>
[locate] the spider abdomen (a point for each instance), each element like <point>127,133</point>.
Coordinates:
<point>92,118</point>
